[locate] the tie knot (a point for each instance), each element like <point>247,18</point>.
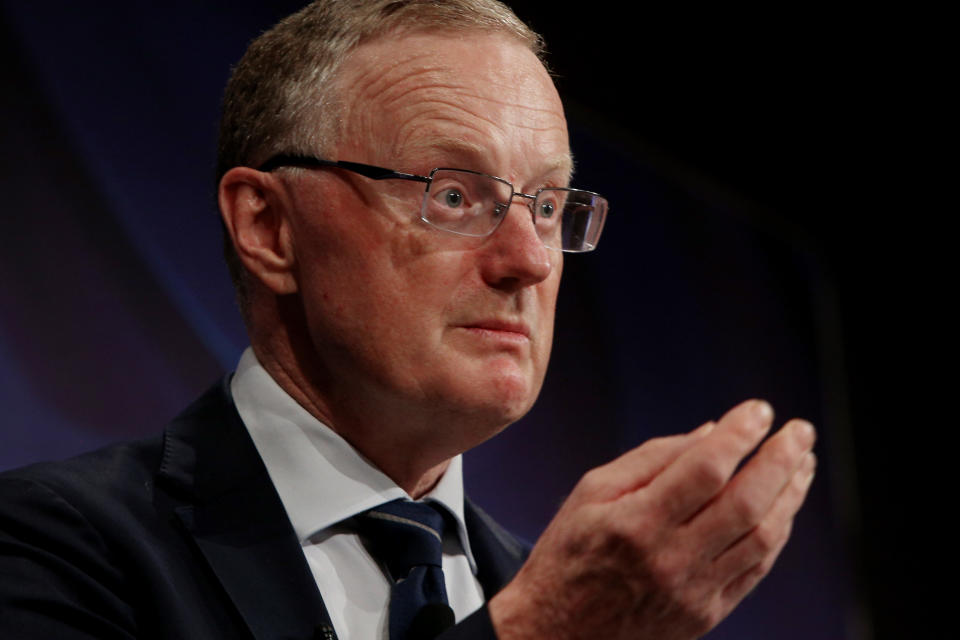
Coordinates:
<point>404,534</point>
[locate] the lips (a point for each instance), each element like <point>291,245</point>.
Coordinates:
<point>496,326</point>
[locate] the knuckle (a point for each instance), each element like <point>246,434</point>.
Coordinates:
<point>769,539</point>
<point>766,538</point>
<point>746,509</point>
<point>611,537</point>
<point>599,485</point>
<point>710,473</point>
<point>593,485</point>
<point>591,481</point>
<point>617,533</point>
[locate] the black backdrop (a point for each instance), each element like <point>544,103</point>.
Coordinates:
<point>746,159</point>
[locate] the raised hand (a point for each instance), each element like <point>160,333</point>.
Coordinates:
<point>664,541</point>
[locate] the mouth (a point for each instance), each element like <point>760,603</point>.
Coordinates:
<point>499,329</point>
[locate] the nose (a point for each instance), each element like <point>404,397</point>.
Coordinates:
<point>514,256</point>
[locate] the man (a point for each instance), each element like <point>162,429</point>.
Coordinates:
<point>399,300</point>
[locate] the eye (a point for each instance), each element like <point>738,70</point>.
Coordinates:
<point>547,209</point>
<point>452,198</point>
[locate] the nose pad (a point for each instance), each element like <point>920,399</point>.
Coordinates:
<point>528,202</point>
<point>502,209</point>
<point>516,256</point>
<point>531,202</point>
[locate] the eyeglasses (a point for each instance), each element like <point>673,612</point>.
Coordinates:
<point>470,203</point>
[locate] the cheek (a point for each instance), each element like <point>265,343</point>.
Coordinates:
<point>436,272</point>
<point>341,271</point>
<point>546,302</point>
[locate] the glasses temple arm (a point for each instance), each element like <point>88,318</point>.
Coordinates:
<point>368,170</point>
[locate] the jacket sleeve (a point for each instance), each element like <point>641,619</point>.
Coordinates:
<point>56,575</point>
<point>476,626</point>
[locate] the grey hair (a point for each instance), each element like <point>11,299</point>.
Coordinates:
<point>280,97</point>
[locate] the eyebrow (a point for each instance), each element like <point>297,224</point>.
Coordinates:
<point>478,155</point>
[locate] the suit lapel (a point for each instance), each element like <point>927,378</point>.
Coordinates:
<point>238,523</point>
<point>235,517</point>
<point>498,553</point>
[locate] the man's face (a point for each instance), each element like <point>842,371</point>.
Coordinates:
<point>405,318</point>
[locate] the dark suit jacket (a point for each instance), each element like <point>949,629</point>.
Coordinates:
<point>180,536</point>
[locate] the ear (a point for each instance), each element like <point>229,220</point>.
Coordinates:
<point>254,209</point>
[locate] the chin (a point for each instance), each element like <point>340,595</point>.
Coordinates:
<point>489,393</point>
<point>505,399</point>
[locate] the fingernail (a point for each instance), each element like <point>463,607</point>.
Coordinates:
<point>805,432</point>
<point>705,428</point>
<point>763,409</point>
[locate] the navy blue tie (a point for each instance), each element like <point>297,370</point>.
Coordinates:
<point>408,537</point>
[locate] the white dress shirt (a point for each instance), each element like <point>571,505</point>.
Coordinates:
<point>323,481</point>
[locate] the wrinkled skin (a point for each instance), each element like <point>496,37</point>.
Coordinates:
<point>417,345</point>
<point>402,338</point>
<point>662,542</point>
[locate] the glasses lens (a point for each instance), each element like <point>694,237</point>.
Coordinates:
<point>570,219</point>
<point>464,202</point>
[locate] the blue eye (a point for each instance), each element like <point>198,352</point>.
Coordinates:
<point>547,209</point>
<point>453,198</point>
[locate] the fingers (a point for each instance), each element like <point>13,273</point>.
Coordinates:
<point>770,534</point>
<point>746,501</point>
<point>665,540</point>
<point>637,467</point>
<point>752,557</point>
<point>701,471</point>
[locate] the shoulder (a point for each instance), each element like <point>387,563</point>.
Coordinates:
<point>113,485</point>
<point>92,492</point>
<point>97,539</point>
<point>102,466</point>
<point>60,524</point>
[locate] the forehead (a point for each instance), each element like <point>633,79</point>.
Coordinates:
<point>480,98</point>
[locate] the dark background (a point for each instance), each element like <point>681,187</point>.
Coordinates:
<point>762,242</point>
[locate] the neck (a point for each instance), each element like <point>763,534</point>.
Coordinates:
<point>404,450</point>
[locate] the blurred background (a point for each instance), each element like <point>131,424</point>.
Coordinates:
<point>757,246</point>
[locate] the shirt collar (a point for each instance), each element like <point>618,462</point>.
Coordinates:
<point>320,478</point>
